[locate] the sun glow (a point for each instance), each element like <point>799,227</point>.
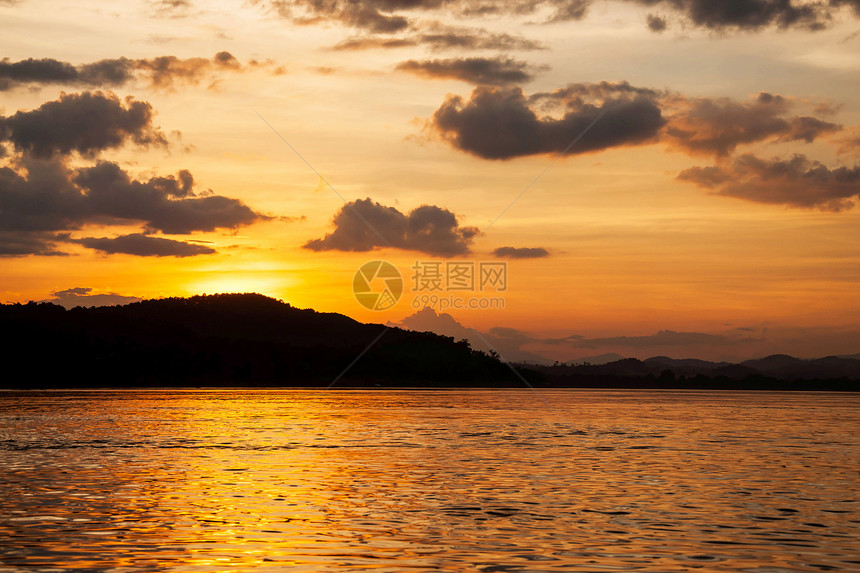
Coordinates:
<point>241,282</point>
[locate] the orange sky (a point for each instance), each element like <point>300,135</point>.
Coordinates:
<point>758,247</point>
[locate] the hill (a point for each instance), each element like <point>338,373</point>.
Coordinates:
<point>230,340</point>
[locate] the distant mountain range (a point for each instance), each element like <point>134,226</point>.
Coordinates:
<point>253,340</point>
<point>776,371</point>
<point>599,359</point>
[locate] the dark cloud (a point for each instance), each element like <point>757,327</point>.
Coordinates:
<point>163,72</point>
<point>501,123</point>
<point>750,14</point>
<point>656,23</point>
<point>363,225</point>
<point>796,182</point>
<point>719,126</point>
<point>42,198</point>
<point>521,252</point>
<point>391,16</point>
<point>83,296</point>
<point>807,129</point>
<point>17,244</point>
<point>37,71</point>
<point>88,122</point>
<point>226,60</point>
<point>479,71</point>
<point>144,246</point>
<point>852,3</point>
<point>111,192</point>
<point>50,198</point>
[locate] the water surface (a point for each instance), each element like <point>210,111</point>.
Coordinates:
<point>388,480</point>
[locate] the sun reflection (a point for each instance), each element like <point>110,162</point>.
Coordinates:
<point>239,480</point>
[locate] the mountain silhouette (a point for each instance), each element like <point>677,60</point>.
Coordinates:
<point>777,372</point>
<point>229,340</point>
<point>254,340</point>
<point>599,359</point>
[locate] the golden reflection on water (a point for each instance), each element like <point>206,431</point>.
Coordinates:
<point>273,480</point>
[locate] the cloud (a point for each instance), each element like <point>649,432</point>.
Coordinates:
<point>461,38</point>
<point>226,60</point>
<point>363,225</point>
<point>853,3</point>
<point>440,38</point>
<point>719,126</point>
<point>373,15</point>
<point>88,122</point>
<point>796,182</point>
<point>18,244</point>
<point>656,23</point>
<point>42,198</point>
<point>171,8</point>
<point>144,246</point>
<point>36,71</point>
<point>521,252</point>
<point>501,123</point>
<point>850,143</point>
<point>111,192</point>
<point>167,71</point>
<point>392,16</point>
<point>163,72</point>
<point>661,338</point>
<point>370,43</point>
<point>479,71</point>
<point>82,296</point>
<point>50,197</point>
<point>750,14</point>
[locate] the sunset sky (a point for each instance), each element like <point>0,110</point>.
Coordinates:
<point>672,177</point>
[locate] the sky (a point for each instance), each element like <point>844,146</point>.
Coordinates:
<point>660,177</point>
